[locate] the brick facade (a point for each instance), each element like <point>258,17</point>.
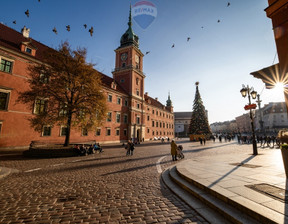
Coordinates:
<point>133,114</point>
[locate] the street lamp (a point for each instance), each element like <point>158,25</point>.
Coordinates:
<point>246,90</point>
<point>258,101</point>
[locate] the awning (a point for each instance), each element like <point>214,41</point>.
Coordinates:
<point>270,76</point>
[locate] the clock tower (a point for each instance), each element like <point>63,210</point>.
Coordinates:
<point>128,73</point>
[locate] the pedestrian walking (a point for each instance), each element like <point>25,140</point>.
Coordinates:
<point>173,150</point>
<point>204,141</point>
<point>130,148</point>
<point>200,139</point>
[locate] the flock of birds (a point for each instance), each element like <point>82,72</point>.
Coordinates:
<point>91,30</point>
<point>188,38</point>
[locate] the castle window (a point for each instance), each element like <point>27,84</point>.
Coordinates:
<point>84,132</point>
<point>4,99</point>
<point>6,66</point>
<point>118,118</point>
<point>109,98</point>
<point>137,92</point>
<point>125,132</point>
<point>126,103</point>
<point>137,81</point>
<point>117,132</point>
<point>28,50</point>
<point>63,131</point>
<point>125,118</point>
<point>118,100</point>
<point>98,131</point>
<point>109,116</point>
<point>40,106</point>
<point>108,131</point>
<point>138,120</point>
<point>46,131</point>
<point>123,65</point>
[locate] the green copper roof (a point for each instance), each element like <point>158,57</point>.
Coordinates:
<point>129,37</point>
<point>168,102</point>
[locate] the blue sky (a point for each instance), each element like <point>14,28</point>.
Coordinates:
<point>220,56</point>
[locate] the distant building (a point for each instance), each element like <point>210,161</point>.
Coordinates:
<point>182,122</point>
<point>224,127</point>
<point>274,118</point>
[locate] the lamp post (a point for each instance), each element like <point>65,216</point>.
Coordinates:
<point>258,101</point>
<point>247,91</point>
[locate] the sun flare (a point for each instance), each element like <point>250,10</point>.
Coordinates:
<point>279,87</point>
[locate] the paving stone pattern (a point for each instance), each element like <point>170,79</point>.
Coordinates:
<point>100,188</point>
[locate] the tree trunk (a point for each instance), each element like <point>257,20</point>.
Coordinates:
<point>67,138</point>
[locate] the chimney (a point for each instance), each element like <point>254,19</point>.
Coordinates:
<point>156,98</point>
<point>146,93</point>
<point>25,32</point>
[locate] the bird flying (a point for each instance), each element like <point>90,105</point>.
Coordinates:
<point>147,52</point>
<point>173,45</point>
<point>54,30</point>
<point>91,31</point>
<point>27,13</point>
<point>218,21</point>
<point>228,4</point>
<point>14,21</point>
<point>188,38</point>
<point>68,28</point>
<point>85,26</point>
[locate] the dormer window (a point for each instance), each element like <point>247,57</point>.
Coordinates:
<point>113,85</point>
<point>28,50</point>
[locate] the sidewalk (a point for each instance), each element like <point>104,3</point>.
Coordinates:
<point>256,185</point>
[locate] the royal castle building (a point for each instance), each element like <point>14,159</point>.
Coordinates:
<point>132,113</point>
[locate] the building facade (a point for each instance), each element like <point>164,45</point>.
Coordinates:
<point>273,117</point>
<point>132,114</point>
<point>182,122</point>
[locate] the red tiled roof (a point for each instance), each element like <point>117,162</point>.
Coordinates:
<point>12,39</point>
<point>107,81</point>
<point>154,102</point>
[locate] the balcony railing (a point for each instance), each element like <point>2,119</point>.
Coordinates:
<point>128,67</point>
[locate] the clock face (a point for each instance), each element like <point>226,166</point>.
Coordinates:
<point>123,56</point>
<point>136,58</point>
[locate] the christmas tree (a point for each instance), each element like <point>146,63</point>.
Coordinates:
<point>199,122</point>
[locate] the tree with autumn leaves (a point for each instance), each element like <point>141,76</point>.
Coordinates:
<point>65,90</point>
<point>199,122</point>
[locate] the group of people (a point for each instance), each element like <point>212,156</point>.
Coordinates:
<point>83,150</point>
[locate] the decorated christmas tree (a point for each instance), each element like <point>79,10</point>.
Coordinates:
<point>199,122</point>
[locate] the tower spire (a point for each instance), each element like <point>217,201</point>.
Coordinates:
<point>130,18</point>
<point>129,37</point>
